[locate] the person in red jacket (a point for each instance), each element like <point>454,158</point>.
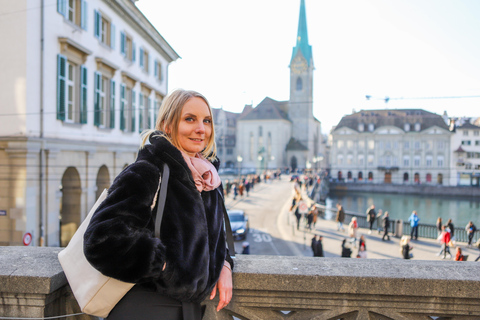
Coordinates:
<point>444,239</point>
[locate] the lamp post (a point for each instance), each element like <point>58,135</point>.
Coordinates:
<point>239,160</point>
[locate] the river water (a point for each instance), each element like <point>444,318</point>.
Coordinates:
<point>429,208</point>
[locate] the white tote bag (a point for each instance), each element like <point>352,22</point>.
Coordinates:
<point>95,293</point>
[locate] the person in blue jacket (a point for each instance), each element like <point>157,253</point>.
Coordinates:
<point>414,224</point>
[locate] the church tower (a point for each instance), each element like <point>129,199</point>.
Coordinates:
<point>301,82</point>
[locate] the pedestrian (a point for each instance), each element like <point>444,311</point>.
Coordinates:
<point>371,216</point>
<point>314,245</point>
<point>352,231</point>
<point>245,247</point>
<point>405,247</point>
<point>413,219</point>
<point>452,230</point>
<point>247,186</point>
<point>362,242</point>
<point>439,226</point>
<point>315,215</point>
<point>346,251</point>
<point>319,247</point>
<point>470,228</point>
<point>386,226</point>
<point>362,252</point>
<point>235,190</point>
<point>459,256</point>
<point>340,217</point>
<point>444,240</point>
<point>379,220</point>
<point>120,241</point>
<point>309,219</point>
<point>241,188</point>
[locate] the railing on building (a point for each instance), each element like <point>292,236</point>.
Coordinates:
<point>275,287</point>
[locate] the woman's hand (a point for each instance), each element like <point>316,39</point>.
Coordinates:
<point>224,285</point>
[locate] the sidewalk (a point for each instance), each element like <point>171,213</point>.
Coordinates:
<point>300,240</point>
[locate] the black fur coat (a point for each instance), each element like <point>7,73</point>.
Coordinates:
<point>120,240</point>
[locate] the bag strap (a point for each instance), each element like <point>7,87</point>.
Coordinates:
<point>231,246</point>
<point>162,195</point>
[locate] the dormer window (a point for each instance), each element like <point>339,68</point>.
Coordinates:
<point>406,127</point>
<point>371,127</point>
<point>417,126</point>
<point>361,127</point>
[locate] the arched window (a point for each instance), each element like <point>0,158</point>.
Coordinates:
<point>440,178</point>
<point>299,84</point>
<point>339,175</point>
<point>429,177</point>
<point>370,176</point>
<point>360,176</point>
<point>416,177</point>
<point>405,177</point>
<point>349,175</point>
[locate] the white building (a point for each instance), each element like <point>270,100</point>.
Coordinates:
<point>465,164</point>
<point>80,79</point>
<point>402,146</point>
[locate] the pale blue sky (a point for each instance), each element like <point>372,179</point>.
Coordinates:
<point>238,52</point>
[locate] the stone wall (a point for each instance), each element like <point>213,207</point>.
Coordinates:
<point>32,284</point>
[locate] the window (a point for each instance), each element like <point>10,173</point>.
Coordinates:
<point>144,59</point>
<point>127,46</point>
<point>466,142</point>
<point>71,91</point>
<point>380,161</point>
<point>388,161</point>
<point>440,145</point>
<point>416,145</point>
<point>388,145</point>
<point>440,161</point>
<point>349,144</point>
<point>406,161</point>
<point>416,161</point>
<point>371,144</point>
<point>406,145</point>
<point>340,159</point>
<point>158,71</point>
<point>477,142</point>
<point>340,144</point>
<point>349,159</point>
<point>406,127</point>
<point>361,144</point>
<point>476,133</point>
<point>360,160</point>
<point>371,127</point>
<point>428,145</point>
<point>104,103</point>
<point>370,160</point>
<point>417,126</point>
<point>380,145</point>
<point>465,133</point>
<point>104,29</point>
<point>429,177</point>
<point>361,127</point>
<point>405,177</point>
<point>74,11</point>
<point>299,85</point>
<point>428,161</point>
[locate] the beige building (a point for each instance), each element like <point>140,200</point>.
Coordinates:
<point>80,80</point>
<point>399,146</point>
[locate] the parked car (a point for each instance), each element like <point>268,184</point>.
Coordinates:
<point>239,223</point>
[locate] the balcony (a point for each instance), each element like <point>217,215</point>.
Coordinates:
<point>276,287</point>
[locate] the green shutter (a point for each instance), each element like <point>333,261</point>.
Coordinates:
<point>96,102</point>
<point>112,36</point>
<point>134,51</point>
<point>112,104</point>
<point>62,7</point>
<point>84,11</point>
<point>61,86</point>
<point>83,94</point>
<point>122,107</point>
<point>123,43</point>
<point>134,106</point>
<point>141,58</point>
<point>98,20</point>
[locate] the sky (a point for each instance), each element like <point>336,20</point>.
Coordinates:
<point>419,53</point>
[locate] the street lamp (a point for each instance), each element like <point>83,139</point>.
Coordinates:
<point>239,160</point>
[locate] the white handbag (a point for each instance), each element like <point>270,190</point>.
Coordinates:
<point>95,293</point>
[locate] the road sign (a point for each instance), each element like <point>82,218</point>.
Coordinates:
<point>27,239</point>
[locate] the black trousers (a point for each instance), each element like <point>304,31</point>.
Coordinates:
<point>142,304</point>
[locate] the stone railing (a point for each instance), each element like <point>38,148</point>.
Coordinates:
<point>32,284</point>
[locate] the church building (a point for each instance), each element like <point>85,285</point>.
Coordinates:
<point>279,134</point>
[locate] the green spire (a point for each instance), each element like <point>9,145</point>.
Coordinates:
<point>302,36</point>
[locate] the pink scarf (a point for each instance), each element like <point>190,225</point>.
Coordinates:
<point>204,173</point>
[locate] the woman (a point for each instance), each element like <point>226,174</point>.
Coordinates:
<point>352,231</point>
<point>459,256</point>
<point>405,247</point>
<point>444,240</point>
<point>189,262</point>
<point>470,229</point>
<point>439,226</point>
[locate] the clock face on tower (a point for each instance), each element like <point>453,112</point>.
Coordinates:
<point>298,65</point>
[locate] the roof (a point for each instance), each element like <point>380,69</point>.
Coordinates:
<point>460,149</point>
<point>302,36</point>
<point>392,117</point>
<point>268,109</point>
<point>294,144</point>
<point>468,125</point>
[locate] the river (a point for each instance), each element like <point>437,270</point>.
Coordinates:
<point>429,208</point>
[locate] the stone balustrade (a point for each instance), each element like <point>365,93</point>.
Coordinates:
<point>32,285</point>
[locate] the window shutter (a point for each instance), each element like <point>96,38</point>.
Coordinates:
<point>96,102</point>
<point>98,20</point>
<point>141,58</point>
<point>84,12</point>
<point>123,43</point>
<point>61,86</point>
<point>112,104</point>
<point>134,111</point>
<point>141,113</point>
<point>149,110</point>
<point>62,7</point>
<point>122,107</point>
<point>112,36</point>
<point>155,69</point>
<point>83,94</point>
<point>155,105</point>
<point>134,51</point>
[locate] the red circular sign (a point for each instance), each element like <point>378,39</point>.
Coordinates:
<point>27,239</point>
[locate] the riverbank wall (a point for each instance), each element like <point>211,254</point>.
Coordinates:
<point>428,190</point>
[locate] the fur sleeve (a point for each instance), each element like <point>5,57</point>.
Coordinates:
<point>119,241</point>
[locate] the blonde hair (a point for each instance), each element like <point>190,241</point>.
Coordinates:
<point>169,115</point>
<point>404,240</point>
